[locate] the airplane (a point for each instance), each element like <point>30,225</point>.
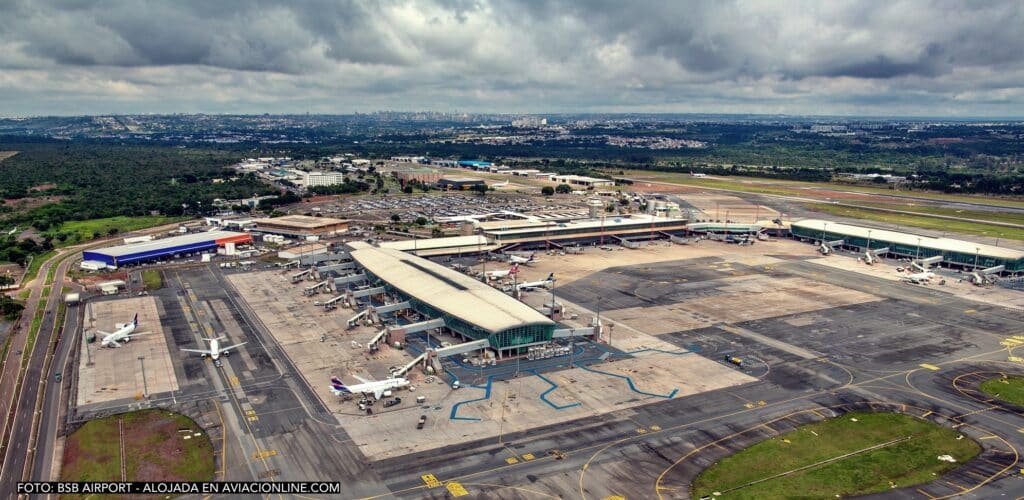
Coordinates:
<point>493,275</point>
<point>124,333</point>
<point>215,350</point>
<point>919,278</point>
<point>545,283</point>
<point>516,259</point>
<point>376,388</point>
<point>500,184</point>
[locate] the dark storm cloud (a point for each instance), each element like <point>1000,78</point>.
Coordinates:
<point>525,55</point>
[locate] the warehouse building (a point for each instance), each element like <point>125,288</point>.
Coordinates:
<point>955,253</point>
<point>460,183</point>
<point>302,226</point>
<point>468,307</point>
<point>581,180</point>
<point>421,175</point>
<point>176,246</point>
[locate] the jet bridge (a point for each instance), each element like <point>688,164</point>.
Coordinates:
<point>984,276</point>
<point>343,266</point>
<point>351,278</point>
<point>564,333</point>
<point>827,247</point>
<point>315,289</point>
<point>872,256</point>
<point>475,345</point>
<point>299,276</point>
<point>923,265</point>
<point>355,319</point>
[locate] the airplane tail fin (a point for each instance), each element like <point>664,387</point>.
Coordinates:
<point>135,320</point>
<point>338,386</point>
<point>551,277</point>
<point>221,337</point>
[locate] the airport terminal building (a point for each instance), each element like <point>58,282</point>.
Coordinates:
<point>468,307</point>
<point>955,253</point>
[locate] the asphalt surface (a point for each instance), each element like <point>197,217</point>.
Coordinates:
<point>917,350</point>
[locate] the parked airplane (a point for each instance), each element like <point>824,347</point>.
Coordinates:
<point>516,259</point>
<point>919,278</point>
<point>500,184</point>
<point>493,275</point>
<point>215,351</point>
<point>123,333</point>
<point>545,283</point>
<point>376,388</point>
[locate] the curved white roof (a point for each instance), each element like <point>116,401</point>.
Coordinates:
<point>447,290</point>
<point>910,239</point>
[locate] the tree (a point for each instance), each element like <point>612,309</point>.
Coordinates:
<point>395,218</point>
<point>547,191</point>
<point>421,221</point>
<point>563,189</point>
<point>407,189</point>
<point>480,189</point>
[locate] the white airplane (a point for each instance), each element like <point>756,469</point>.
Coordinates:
<point>500,184</point>
<point>517,259</point>
<point>124,333</point>
<point>545,283</point>
<point>215,350</point>
<point>919,278</point>
<point>376,388</point>
<point>494,275</point>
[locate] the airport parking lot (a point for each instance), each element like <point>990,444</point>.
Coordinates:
<point>451,205</point>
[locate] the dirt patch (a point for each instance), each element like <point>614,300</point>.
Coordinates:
<point>43,187</point>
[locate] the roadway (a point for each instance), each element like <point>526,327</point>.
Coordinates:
<point>23,432</point>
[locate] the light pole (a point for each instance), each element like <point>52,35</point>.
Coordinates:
<point>869,240</point>
<point>976,252</point>
<point>919,249</point>
<point>145,387</point>
<point>552,296</point>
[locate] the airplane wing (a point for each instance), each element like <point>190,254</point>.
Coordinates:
<point>361,379</point>
<point>140,333</point>
<point>200,351</point>
<point>225,349</point>
<point>377,393</point>
<point>114,343</point>
<point>105,334</point>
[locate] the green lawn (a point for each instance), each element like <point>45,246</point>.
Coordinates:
<point>155,450</point>
<point>1009,389</point>
<point>792,188</point>
<point>906,463</point>
<point>922,221</point>
<point>37,262</point>
<point>152,279</point>
<point>85,230</point>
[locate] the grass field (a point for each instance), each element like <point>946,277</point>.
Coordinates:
<point>922,221</point>
<point>37,262</point>
<point>85,230</point>
<point>152,279</point>
<point>905,463</point>
<point>155,450</point>
<point>1009,389</point>
<point>793,188</point>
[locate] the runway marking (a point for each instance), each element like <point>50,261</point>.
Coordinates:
<point>955,485</point>
<point>264,454</point>
<point>641,430</point>
<point>511,460</point>
<point>528,456</point>
<point>456,489</point>
<point>430,480</point>
<point>930,367</point>
<point>234,381</point>
<point>655,428</point>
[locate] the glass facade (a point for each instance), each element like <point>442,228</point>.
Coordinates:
<point>968,260</point>
<point>610,229</point>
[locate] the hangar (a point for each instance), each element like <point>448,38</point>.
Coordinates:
<point>124,255</point>
<point>467,306</point>
<point>956,253</point>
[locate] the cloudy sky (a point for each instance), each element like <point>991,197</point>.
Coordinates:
<point>883,57</point>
